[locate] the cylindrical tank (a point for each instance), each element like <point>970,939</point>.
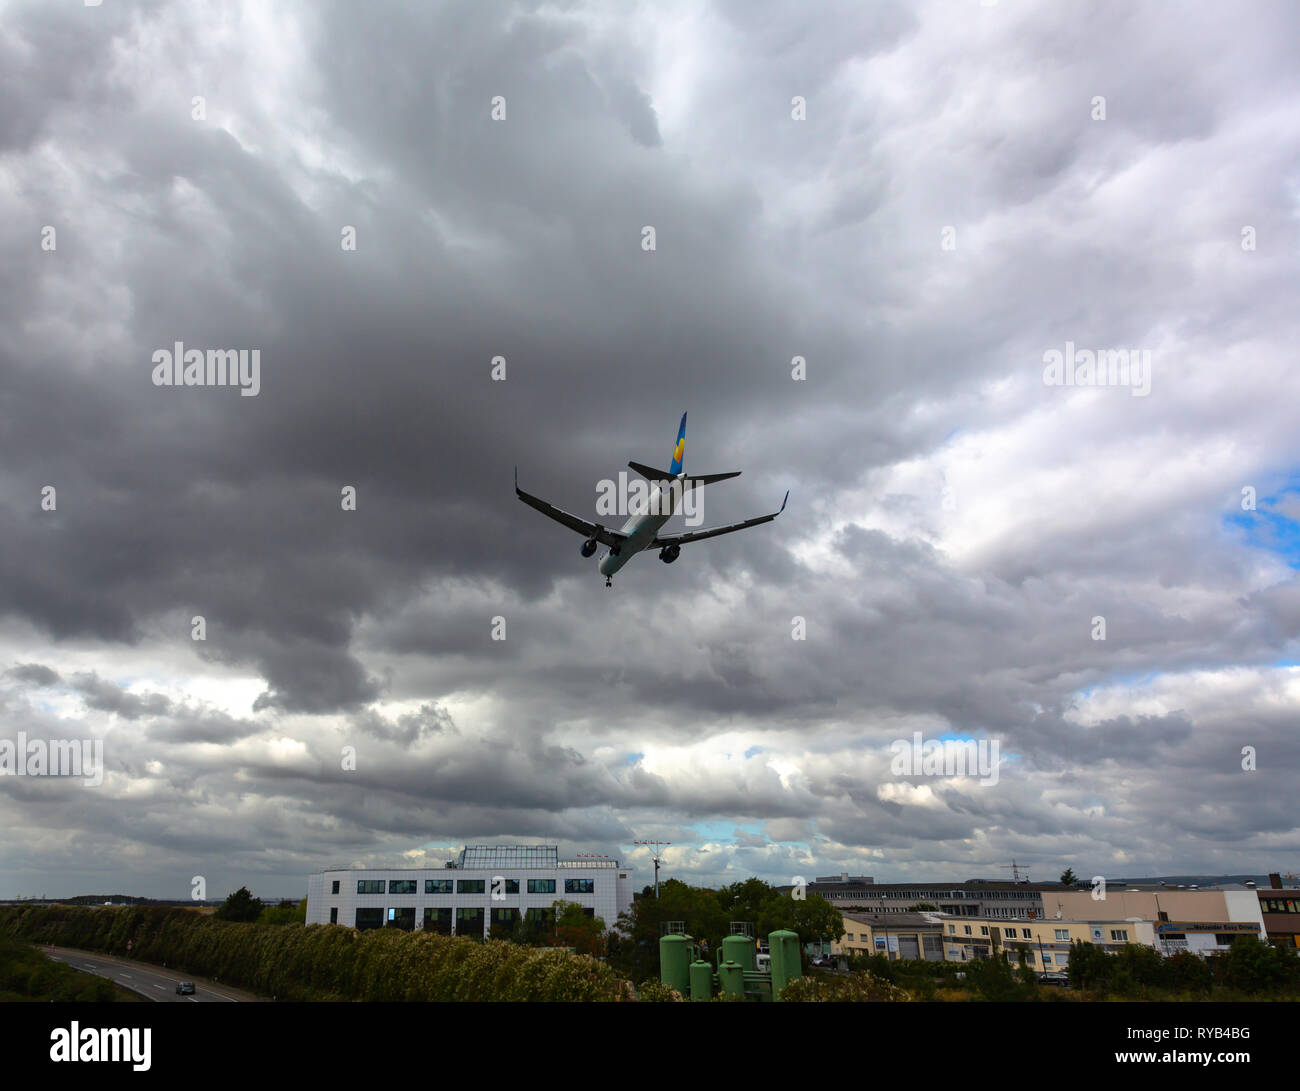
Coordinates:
<point>731,979</point>
<point>739,949</point>
<point>786,964</point>
<point>701,980</point>
<point>675,962</point>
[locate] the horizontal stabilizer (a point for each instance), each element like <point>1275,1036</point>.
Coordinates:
<point>709,479</point>
<point>650,473</point>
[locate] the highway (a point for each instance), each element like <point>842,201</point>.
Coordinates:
<point>152,982</point>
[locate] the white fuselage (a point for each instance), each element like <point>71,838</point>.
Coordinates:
<point>641,529</point>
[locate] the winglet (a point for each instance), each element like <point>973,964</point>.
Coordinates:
<point>787,497</point>
<point>516,477</point>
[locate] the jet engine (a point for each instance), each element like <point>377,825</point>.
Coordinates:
<point>670,553</point>
<point>589,547</point>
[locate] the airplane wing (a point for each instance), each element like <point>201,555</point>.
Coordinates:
<point>586,529</point>
<point>713,532</point>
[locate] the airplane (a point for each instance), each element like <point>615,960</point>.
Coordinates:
<point>641,531</point>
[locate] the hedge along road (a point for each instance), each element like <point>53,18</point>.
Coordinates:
<point>152,982</point>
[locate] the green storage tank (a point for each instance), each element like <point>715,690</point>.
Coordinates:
<point>675,962</point>
<point>731,979</point>
<point>739,949</point>
<point>701,980</point>
<point>786,963</point>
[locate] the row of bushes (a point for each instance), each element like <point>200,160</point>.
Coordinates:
<point>985,979</point>
<point>1248,967</point>
<point>26,974</point>
<point>323,961</point>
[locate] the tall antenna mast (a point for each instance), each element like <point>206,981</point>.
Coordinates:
<point>1016,869</point>
<point>655,846</point>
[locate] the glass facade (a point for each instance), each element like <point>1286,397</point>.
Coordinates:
<point>470,886</point>
<point>541,886</point>
<point>370,886</point>
<point>509,856</point>
<point>401,886</point>
<point>437,886</point>
<point>579,886</point>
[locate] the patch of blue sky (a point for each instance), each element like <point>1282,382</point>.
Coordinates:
<point>1269,526</point>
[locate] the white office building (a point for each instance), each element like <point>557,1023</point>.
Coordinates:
<point>485,885</point>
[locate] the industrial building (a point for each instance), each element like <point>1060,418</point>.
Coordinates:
<point>894,935</point>
<point>977,898</point>
<point>1281,909</point>
<point>1167,919</point>
<point>485,886</point>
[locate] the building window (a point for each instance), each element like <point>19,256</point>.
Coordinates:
<point>438,920</point>
<point>469,922</point>
<point>437,886</point>
<point>541,886</point>
<point>579,886</point>
<point>401,886</point>
<point>369,918</point>
<point>1119,935</point>
<point>508,886</point>
<point>334,912</point>
<point>952,929</point>
<point>370,886</point>
<point>967,927</point>
<point>402,918</point>
<point>334,888</point>
<point>1062,934</point>
<point>538,916</point>
<point>469,886</point>
<point>983,930</point>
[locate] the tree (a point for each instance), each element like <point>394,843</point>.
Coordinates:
<point>240,906</point>
<point>287,912</point>
<point>1068,877</point>
<point>573,928</point>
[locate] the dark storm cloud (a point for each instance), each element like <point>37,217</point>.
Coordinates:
<point>34,674</point>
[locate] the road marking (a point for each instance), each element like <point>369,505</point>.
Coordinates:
<point>160,987</point>
<point>193,999</point>
<point>126,975</point>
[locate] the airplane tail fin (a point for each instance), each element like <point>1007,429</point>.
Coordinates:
<point>679,449</point>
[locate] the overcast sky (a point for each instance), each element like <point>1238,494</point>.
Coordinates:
<point>921,200</point>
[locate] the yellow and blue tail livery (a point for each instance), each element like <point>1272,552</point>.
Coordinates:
<point>679,449</point>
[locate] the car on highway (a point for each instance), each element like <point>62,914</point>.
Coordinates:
<point>185,988</point>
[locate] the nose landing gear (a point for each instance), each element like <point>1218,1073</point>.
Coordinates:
<point>609,582</point>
